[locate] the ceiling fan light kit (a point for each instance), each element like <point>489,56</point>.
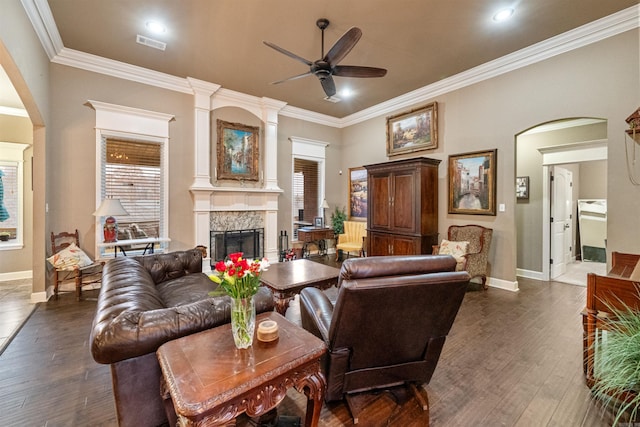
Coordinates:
<point>327,66</point>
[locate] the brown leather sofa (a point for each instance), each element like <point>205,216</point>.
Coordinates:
<point>389,322</point>
<point>143,303</point>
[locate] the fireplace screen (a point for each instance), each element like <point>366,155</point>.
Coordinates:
<point>249,242</point>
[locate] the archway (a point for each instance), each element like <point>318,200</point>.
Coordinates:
<point>580,144</point>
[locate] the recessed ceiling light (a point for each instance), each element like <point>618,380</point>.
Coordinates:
<point>155,27</point>
<point>503,15</point>
<point>346,93</point>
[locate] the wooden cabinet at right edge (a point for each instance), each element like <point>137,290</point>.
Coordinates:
<point>402,207</point>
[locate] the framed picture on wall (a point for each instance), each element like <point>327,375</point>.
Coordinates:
<point>237,151</point>
<point>472,183</point>
<point>522,187</point>
<point>358,194</point>
<point>414,130</point>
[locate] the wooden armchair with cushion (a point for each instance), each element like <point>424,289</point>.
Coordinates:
<point>69,262</point>
<point>476,241</point>
<point>353,238</point>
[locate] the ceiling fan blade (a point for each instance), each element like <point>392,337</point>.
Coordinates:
<point>343,46</point>
<point>357,71</point>
<point>286,52</point>
<point>299,76</point>
<point>328,85</point>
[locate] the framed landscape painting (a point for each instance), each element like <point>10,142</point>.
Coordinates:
<point>358,194</point>
<point>472,183</point>
<point>414,130</point>
<point>238,151</point>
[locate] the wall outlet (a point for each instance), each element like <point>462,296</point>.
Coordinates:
<point>502,207</point>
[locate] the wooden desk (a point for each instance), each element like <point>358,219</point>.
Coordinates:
<point>287,279</point>
<point>315,236</point>
<point>210,382</point>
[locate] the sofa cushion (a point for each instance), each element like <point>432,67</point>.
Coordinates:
<point>185,289</point>
<point>163,267</point>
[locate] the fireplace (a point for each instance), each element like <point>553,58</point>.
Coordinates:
<point>250,242</point>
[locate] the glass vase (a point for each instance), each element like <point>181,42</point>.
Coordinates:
<point>243,321</point>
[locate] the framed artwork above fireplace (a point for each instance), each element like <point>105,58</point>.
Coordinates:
<point>238,151</point>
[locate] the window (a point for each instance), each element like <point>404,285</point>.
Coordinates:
<point>11,195</point>
<point>305,192</point>
<point>307,186</point>
<point>133,174</point>
<point>132,148</point>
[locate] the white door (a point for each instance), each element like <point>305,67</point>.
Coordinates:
<point>561,210</point>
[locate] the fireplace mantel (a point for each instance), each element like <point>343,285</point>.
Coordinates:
<point>238,199</point>
<point>243,199</point>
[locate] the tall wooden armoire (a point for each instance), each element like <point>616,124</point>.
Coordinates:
<point>402,207</point>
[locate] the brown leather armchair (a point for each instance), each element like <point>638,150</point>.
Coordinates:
<point>389,322</point>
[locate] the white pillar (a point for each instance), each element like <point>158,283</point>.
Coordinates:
<point>202,189</point>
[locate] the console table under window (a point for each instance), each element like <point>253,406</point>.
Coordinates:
<point>146,245</point>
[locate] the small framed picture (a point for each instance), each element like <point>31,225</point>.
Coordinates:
<point>522,187</point>
<point>318,222</point>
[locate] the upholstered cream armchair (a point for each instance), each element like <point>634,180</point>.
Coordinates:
<point>353,238</point>
<point>469,244</point>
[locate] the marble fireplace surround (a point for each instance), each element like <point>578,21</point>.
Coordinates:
<point>233,208</point>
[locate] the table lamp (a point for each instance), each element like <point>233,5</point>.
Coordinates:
<point>325,206</point>
<point>109,208</point>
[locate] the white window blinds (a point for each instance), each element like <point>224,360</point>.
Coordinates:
<point>133,174</point>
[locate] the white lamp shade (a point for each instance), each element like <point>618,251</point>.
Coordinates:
<point>110,207</point>
<point>325,205</point>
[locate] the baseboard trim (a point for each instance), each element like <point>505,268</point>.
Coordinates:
<point>16,275</point>
<point>529,274</point>
<point>506,285</point>
<point>38,297</point>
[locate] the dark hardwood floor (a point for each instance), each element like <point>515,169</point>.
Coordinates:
<point>511,359</point>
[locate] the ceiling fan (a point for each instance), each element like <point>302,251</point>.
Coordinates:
<point>327,67</point>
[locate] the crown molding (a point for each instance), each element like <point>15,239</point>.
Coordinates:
<point>625,20</point>
<point>121,70</point>
<point>592,32</point>
<point>310,116</point>
<point>41,18</point>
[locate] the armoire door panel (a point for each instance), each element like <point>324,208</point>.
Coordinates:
<point>379,189</point>
<point>404,211</point>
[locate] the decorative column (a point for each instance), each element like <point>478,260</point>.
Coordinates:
<point>202,189</point>
<point>270,109</point>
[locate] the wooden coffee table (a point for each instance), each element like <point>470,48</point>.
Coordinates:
<point>210,382</point>
<point>287,279</point>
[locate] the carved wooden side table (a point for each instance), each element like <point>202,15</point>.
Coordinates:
<point>209,382</point>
